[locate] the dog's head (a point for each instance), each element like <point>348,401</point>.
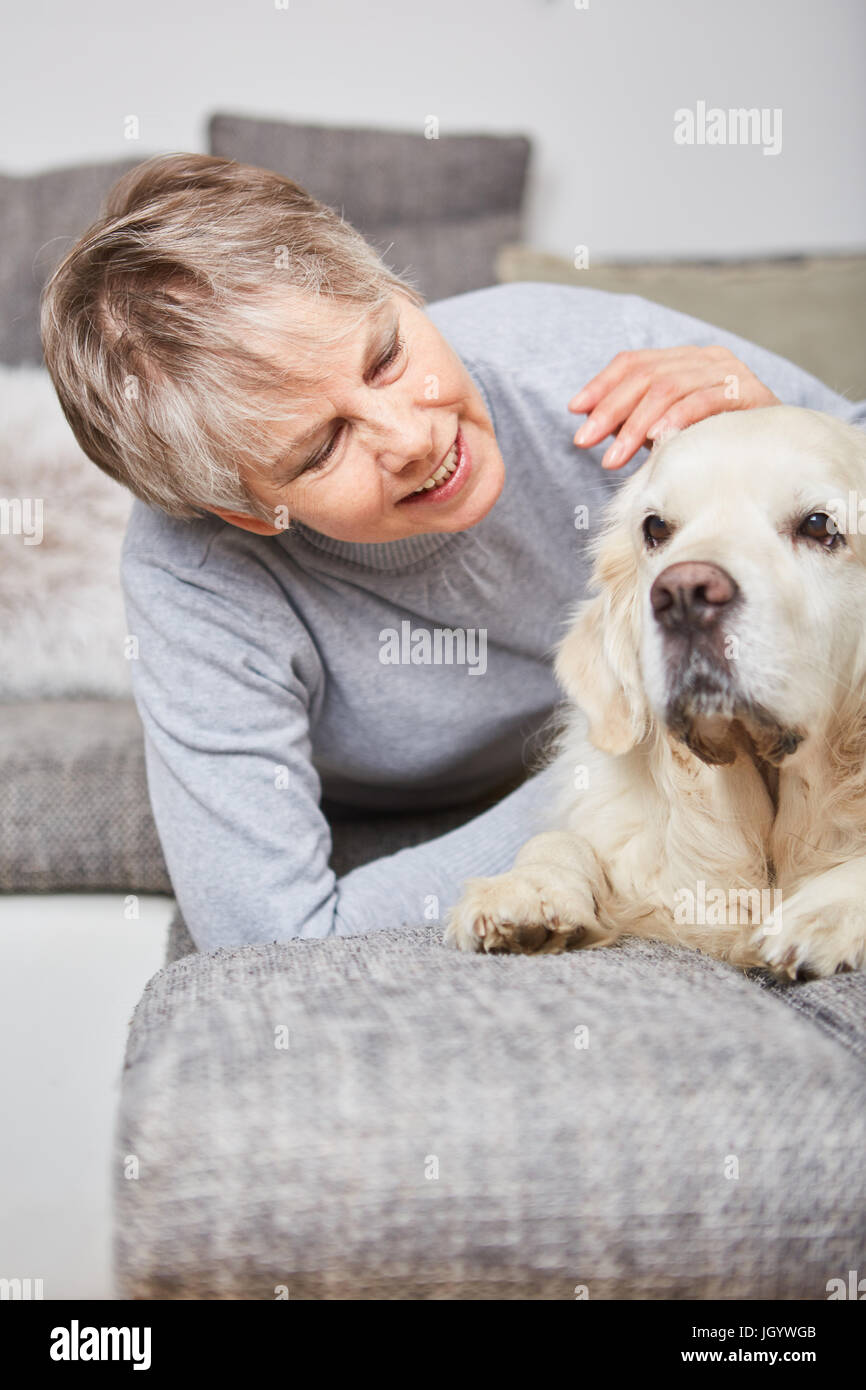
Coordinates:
<point>731,579</point>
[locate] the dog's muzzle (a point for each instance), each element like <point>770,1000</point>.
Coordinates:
<point>693,603</point>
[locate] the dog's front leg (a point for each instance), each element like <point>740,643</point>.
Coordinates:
<point>547,902</point>
<point>820,929</point>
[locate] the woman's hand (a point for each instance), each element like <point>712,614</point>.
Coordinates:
<point>642,395</point>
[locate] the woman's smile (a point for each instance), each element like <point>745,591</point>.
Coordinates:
<point>448,479</point>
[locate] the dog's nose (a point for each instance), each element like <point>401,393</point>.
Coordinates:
<point>691,594</point>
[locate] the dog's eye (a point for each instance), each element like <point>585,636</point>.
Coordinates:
<point>821,527</point>
<point>655,530</point>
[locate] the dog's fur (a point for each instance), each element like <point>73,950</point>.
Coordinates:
<point>704,762</point>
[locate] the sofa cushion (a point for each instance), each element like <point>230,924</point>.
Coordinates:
<point>74,811</point>
<point>642,1121</point>
<point>439,208</point>
<point>41,217</point>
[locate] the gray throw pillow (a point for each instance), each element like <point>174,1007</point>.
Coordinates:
<point>41,218</point>
<point>439,209</point>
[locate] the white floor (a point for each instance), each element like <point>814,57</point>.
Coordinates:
<point>72,969</point>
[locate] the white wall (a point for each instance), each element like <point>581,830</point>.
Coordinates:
<point>595,88</point>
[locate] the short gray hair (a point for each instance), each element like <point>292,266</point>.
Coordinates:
<point>151,324</point>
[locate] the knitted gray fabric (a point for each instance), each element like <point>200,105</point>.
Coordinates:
<point>837,1005</point>
<point>74,813</point>
<point>609,1164</point>
<point>356,841</point>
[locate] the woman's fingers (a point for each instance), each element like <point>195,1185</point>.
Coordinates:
<point>649,392</point>
<point>660,396</point>
<point>712,400</point>
<point>624,364</point>
<point>645,393</point>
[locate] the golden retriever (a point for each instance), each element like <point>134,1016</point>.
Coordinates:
<point>711,783</point>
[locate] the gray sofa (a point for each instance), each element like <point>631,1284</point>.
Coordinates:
<point>636,1123</point>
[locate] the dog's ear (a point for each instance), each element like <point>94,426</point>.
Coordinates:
<point>597,661</point>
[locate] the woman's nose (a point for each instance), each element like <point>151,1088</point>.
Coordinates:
<point>402,442</point>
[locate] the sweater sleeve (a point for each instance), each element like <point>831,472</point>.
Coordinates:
<point>226,682</point>
<point>652,326</point>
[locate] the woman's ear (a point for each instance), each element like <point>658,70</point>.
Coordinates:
<point>246,522</point>
<point>597,660</point>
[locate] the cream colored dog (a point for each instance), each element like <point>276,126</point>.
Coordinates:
<point>713,772</point>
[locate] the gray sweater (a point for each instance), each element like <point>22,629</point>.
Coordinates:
<point>273,671</point>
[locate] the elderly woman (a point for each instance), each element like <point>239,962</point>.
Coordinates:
<point>361,523</point>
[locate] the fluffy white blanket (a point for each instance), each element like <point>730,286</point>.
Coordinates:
<point>62,621</point>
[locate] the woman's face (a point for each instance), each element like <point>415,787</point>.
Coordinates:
<point>394,402</point>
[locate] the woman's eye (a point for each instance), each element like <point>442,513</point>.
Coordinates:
<point>321,459</point>
<point>655,530</point>
<point>391,355</point>
<point>821,527</point>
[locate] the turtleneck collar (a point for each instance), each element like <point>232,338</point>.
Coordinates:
<point>374,555</point>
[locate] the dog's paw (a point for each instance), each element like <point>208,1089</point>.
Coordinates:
<point>529,910</point>
<point>807,938</point>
